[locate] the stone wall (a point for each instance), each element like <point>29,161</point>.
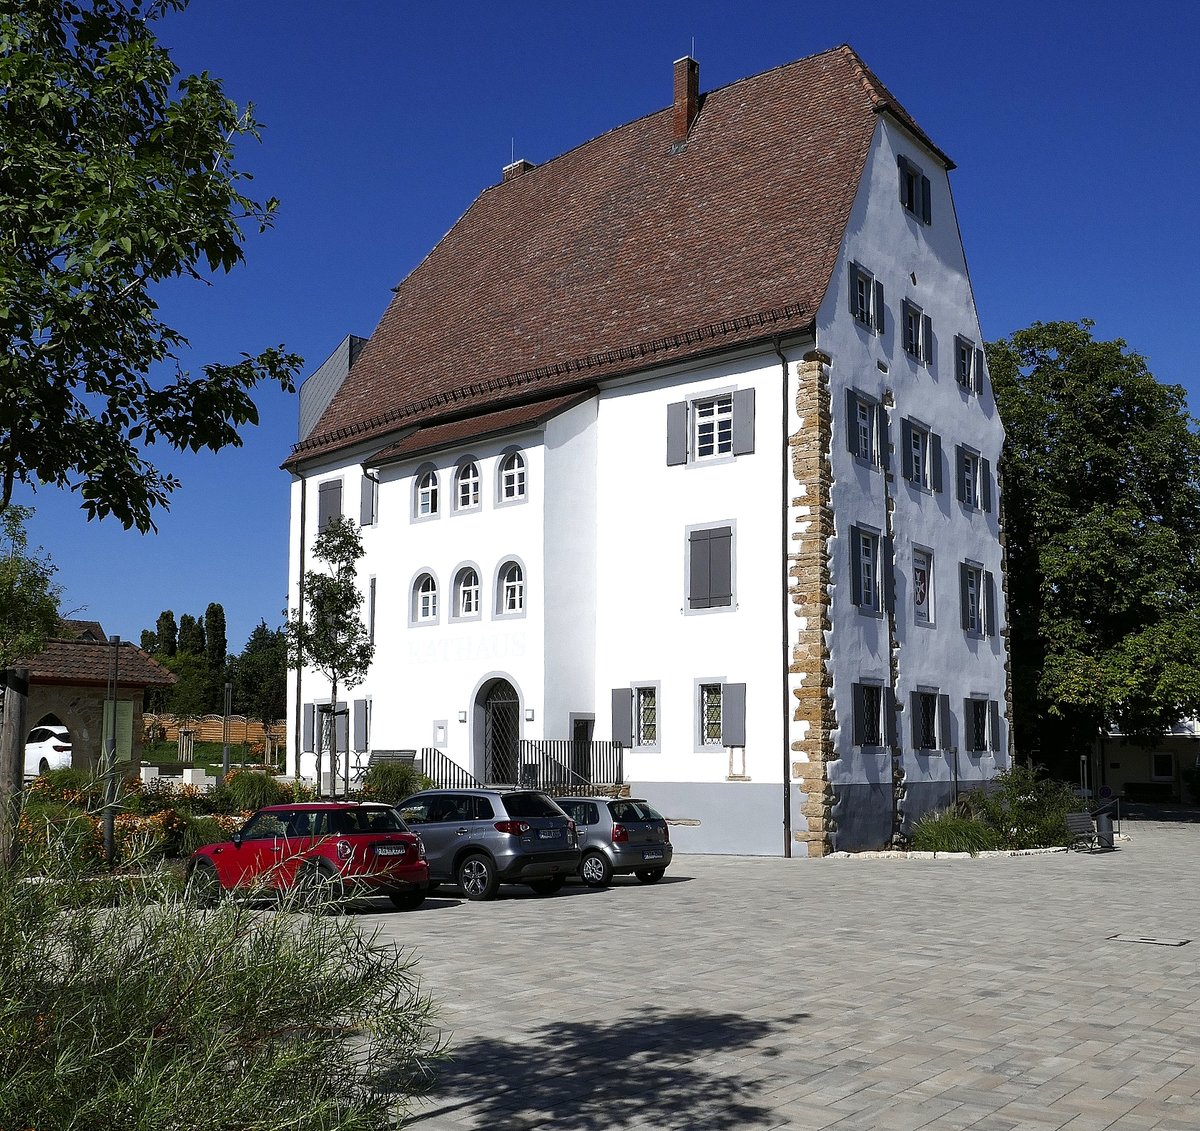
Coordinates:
<point>81,711</point>
<point>811,519</point>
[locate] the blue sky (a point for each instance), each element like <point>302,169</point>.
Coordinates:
<point>1072,126</point>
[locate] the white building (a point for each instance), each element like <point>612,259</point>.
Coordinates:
<point>684,439</point>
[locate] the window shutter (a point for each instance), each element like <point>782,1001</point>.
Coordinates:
<point>860,714</point>
<point>855,274</point>
<point>852,422</point>
<point>889,573</point>
<point>960,472</point>
<point>935,461</point>
<point>676,433</point>
<point>360,724</point>
<point>979,364</point>
<point>985,485</point>
<point>342,726</point>
<point>879,320</point>
<point>882,438</point>
<point>914,711</point>
<point>926,200</point>
<point>902,164</point>
<point>945,722</point>
<point>720,567</point>
<point>308,727</point>
<point>733,714</point>
<point>366,502</point>
<point>699,580</point>
<point>989,599</point>
<point>622,716</point>
<point>371,609</point>
<point>962,596</point>
<point>743,422</point>
<point>888,730</point>
<point>906,461</point>
<point>927,338</point>
<point>855,566</point>
<point>329,503</point>
<point>993,725</point>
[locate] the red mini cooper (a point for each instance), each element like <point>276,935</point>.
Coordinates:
<point>321,851</point>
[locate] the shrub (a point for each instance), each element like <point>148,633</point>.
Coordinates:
<point>1024,808</point>
<point>392,782</point>
<point>948,831</point>
<point>47,829</point>
<point>69,785</point>
<point>249,789</point>
<point>135,1010</point>
<point>199,831</point>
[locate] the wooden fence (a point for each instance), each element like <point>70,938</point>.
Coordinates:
<point>210,728</point>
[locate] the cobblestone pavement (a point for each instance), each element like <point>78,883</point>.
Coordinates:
<point>862,995</point>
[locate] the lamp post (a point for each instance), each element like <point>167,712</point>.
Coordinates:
<point>110,767</point>
<point>225,731</point>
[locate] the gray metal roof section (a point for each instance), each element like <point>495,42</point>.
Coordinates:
<point>318,389</point>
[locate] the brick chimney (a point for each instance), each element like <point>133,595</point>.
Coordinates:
<point>517,168</point>
<point>687,97</point>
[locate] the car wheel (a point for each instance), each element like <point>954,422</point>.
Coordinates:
<point>549,885</point>
<point>408,900</point>
<point>318,887</point>
<point>596,870</point>
<point>43,767</point>
<point>477,877</point>
<point>204,886</point>
<point>650,875</point>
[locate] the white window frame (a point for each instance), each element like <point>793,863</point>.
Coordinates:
<point>512,482</point>
<point>971,467</point>
<point>912,330</point>
<point>464,591</point>
<point>976,614</point>
<point>866,423</point>
<point>868,571</point>
<point>712,427</point>
<point>426,494</point>
<point>648,693</point>
<point>704,739</point>
<point>964,367</point>
<point>423,599</point>
<point>510,590</point>
<point>467,476</point>
<point>930,610</point>
<point>865,312</point>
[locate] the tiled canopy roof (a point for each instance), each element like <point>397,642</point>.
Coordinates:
<point>626,252</point>
<point>90,662</point>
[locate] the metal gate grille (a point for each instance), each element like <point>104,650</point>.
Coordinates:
<point>501,733</point>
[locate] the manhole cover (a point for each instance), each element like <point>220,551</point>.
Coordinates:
<point>1152,939</point>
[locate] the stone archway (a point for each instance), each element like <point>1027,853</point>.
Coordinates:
<point>498,731</point>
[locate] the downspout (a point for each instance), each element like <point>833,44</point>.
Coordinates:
<point>783,610</point>
<point>297,736</point>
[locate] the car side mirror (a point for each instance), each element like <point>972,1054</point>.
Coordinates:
<point>237,840</point>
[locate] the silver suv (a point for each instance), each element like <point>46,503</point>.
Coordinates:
<point>619,835</point>
<point>481,838</point>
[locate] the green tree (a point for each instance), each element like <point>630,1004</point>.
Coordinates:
<point>1101,474</point>
<point>329,635</point>
<point>192,693</point>
<point>215,644</point>
<point>260,675</point>
<point>28,595</point>
<point>149,641</point>
<point>116,174</point>
<point>166,633</point>
<point>191,634</point>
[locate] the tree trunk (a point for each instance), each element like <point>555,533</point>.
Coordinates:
<point>12,757</point>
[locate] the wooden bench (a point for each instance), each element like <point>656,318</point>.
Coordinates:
<point>378,757</point>
<point>1083,831</point>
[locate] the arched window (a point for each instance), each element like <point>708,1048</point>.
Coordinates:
<point>425,599</point>
<point>466,487</point>
<point>510,590</point>
<point>512,478</point>
<point>466,594</point>
<point>425,501</point>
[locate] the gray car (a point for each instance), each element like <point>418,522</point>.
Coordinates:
<point>482,838</point>
<point>619,835</point>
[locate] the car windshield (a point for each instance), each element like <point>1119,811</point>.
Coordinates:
<point>633,811</point>
<point>530,805</point>
<point>373,820</point>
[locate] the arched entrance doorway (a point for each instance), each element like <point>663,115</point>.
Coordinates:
<point>498,726</point>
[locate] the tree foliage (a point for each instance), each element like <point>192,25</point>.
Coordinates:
<point>1101,474</point>
<point>215,644</point>
<point>166,634</point>
<point>116,174</point>
<point>28,595</point>
<point>260,675</point>
<point>191,635</point>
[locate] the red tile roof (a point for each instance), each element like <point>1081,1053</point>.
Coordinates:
<point>626,252</point>
<point>84,661</point>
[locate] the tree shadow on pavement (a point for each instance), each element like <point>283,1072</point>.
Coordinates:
<point>649,1068</point>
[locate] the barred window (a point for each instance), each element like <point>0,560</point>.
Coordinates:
<point>646,716</point>
<point>927,720</point>
<point>710,714</point>
<point>978,723</point>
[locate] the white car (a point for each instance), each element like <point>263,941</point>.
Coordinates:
<point>47,748</point>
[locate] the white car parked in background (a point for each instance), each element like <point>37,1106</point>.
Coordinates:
<point>47,748</point>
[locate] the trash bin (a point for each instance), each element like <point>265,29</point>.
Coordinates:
<point>1104,830</point>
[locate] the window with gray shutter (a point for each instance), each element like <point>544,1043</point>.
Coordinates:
<point>622,716</point>
<point>342,723</point>
<point>964,581</point>
<point>710,567</point>
<point>308,729</point>
<point>980,361</point>
<point>883,440</point>
<point>906,450</point>
<point>945,723</point>
<point>743,422</point>
<point>852,423</point>
<point>985,485</point>
<point>993,725</point>
<point>926,339</point>
<point>856,577</point>
<point>888,569</point>
<point>879,307</point>
<point>888,729</point>
<point>935,461</point>
<point>960,473</point>
<point>360,724</point>
<point>989,603</point>
<point>733,714</point>
<point>329,503</point>
<point>366,502</point>
<point>677,433</point>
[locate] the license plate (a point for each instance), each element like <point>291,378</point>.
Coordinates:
<point>549,834</point>
<point>652,854</point>
<point>391,850</point>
